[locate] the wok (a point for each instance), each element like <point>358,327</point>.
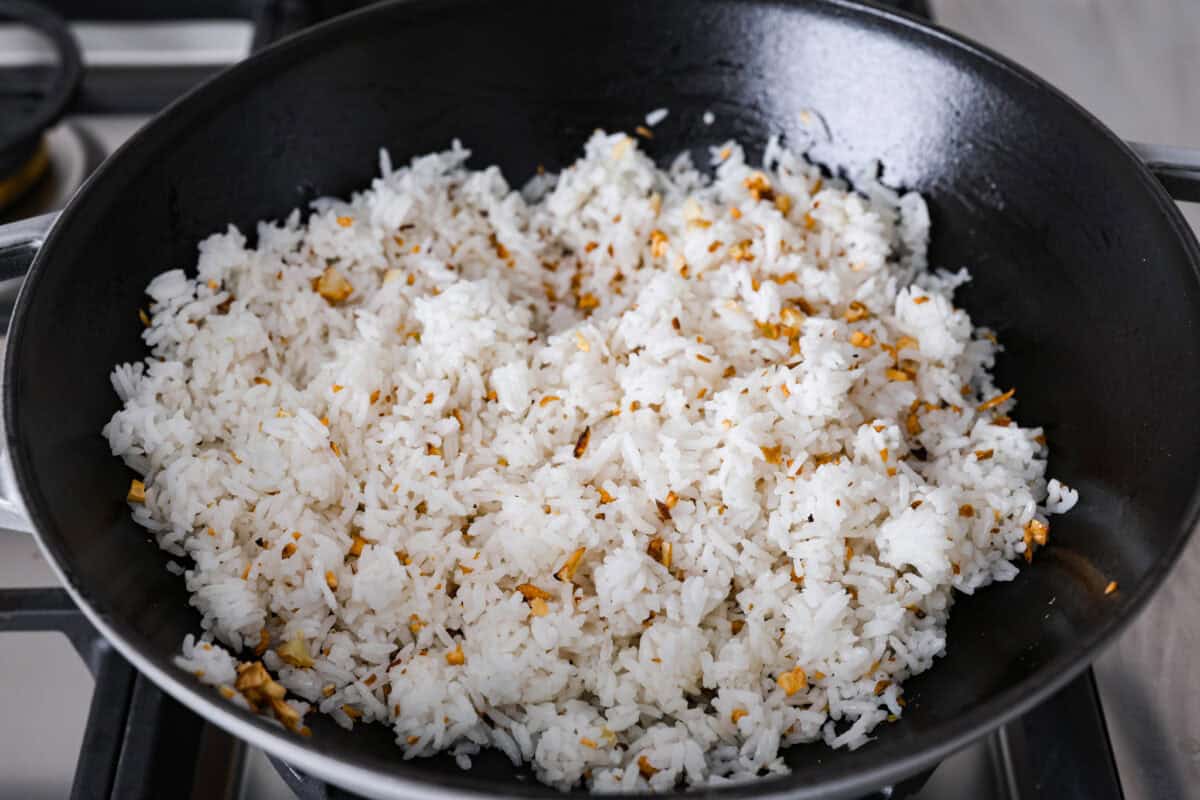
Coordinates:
<point>1081,263</point>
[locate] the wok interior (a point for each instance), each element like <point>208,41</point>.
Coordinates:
<point>1074,263</point>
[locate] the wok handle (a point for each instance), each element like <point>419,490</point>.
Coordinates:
<point>1177,168</point>
<point>19,243</point>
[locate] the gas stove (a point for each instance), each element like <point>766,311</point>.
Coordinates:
<point>114,733</point>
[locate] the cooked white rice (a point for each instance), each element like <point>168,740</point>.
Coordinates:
<point>774,504</point>
<point>656,116</point>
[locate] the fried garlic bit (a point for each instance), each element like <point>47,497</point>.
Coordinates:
<point>742,251</point>
<point>997,400</point>
<point>1036,532</point>
<point>531,592</point>
<point>567,571</point>
<point>860,339</point>
<point>660,551</point>
<point>501,251</point>
<point>253,677</point>
<point>581,444</point>
<point>791,318</point>
<point>759,187</point>
<point>792,681</point>
<point>856,311</point>
<point>257,686</point>
<point>333,286</point>
<point>912,422</point>
<point>658,243</point>
<point>295,652</point>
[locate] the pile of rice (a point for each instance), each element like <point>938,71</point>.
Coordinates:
<point>636,475</point>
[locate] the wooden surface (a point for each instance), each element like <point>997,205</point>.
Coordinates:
<point>1136,65</point>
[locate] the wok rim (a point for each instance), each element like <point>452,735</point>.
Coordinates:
<point>356,775</point>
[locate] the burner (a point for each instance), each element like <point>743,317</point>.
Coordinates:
<point>32,99</point>
<point>16,184</point>
<point>66,155</point>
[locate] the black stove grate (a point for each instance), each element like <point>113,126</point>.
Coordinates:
<point>139,742</point>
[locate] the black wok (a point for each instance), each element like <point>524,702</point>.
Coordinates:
<point>1080,260</point>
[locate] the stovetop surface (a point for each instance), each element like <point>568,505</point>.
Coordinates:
<point>1144,681</point>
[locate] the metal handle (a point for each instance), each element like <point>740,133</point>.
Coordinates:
<point>19,243</point>
<point>1178,168</point>
<point>13,516</point>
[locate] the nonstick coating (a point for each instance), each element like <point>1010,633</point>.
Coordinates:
<point>1079,261</point>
